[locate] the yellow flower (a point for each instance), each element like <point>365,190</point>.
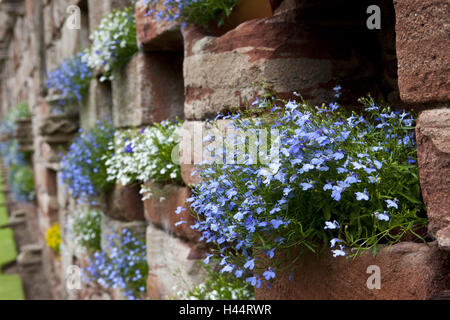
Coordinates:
<point>53,237</point>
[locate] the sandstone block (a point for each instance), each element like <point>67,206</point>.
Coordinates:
<point>433,155</point>
<point>422,30</point>
<point>98,104</point>
<point>160,210</point>
<point>302,47</point>
<point>409,271</point>
<point>73,40</point>
<point>170,269</point>
<point>124,203</point>
<point>148,89</point>
<point>443,238</point>
<point>156,35</point>
<point>198,142</point>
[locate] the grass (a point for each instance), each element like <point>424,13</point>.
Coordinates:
<point>8,251</point>
<point>3,216</point>
<point>11,287</point>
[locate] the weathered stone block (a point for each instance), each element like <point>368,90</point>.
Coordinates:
<point>433,155</point>
<point>49,27</point>
<point>73,40</point>
<point>443,238</point>
<point>191,136</point>
<point>148,89</point>
<point>220,71</point>
<point>409,271</point>
<point>56,131</point>
<point>98,104</point>
<point>196,145</point>
<point>124,203</point>
<point>24,135</point>
<point>302,48</point>
<point>169,265</point>
<point>156,35</point>
<point>45,186</point>
<point>160,210</point>
<point>422,30</point>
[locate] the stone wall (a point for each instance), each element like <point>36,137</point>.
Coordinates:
<point>303,46</point>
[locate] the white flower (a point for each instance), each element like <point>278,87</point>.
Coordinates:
<point>150,159</point>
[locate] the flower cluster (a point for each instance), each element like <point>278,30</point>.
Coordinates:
<point>70,79</point>
<point>21,178</point>
<point>85,227</point>
<point>122,265</point>
<point>20,175</point>
<point>113,42</point>
<point>145,155</point>
<point>329,180</point>
<point>200,12</point>
<point>83,168</point>
<point>219,286</point>
<point>53,238</point>
<point>8,124</point>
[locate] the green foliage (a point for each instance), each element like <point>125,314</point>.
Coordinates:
<point>20,111</point>
<point>203,12</point>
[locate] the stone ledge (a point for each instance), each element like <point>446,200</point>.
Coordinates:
<point>170,265</point>
<point>156,35</point>
<point>409,271</point>
<point>124,203</point>
<point>161,211</point>
<point>140,90</point>
<point>433,155</point>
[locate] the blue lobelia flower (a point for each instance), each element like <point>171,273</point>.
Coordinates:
<point>362,195</point>
<point>392,203</point>
<point>382,216</point>
<point>331,225</point>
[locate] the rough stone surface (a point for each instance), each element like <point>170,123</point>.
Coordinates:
<point>140,90</point>
<point>160,210</point>
<point>423,43</point>
<point>24,135</point>
<point>98,105</point>
<point>409,271</point>
<point>196,145</point>
<point>443,238</point>
<point>73,40</point>
<point>294,50</point>
<point>170,269</point>
<point>156,36</point>
<point>59,129</point>
<point>433,154</point>
<point>124,203</point>
<point>45,182</point>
